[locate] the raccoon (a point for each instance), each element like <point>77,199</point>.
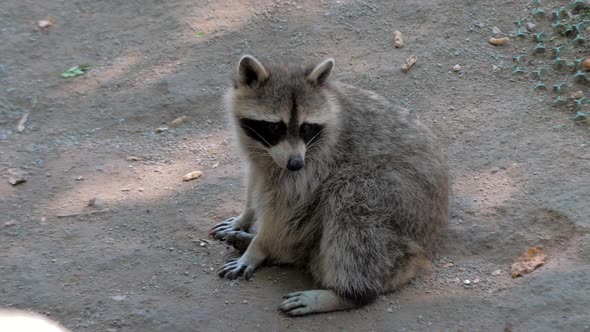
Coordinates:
<point>339,180</point>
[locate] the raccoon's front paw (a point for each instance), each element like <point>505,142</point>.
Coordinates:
<point>221,230</point>
<point>235,268</point>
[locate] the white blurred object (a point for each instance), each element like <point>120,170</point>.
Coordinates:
<point>12,320</point>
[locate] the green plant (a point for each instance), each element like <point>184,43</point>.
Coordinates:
<point>75,71</point>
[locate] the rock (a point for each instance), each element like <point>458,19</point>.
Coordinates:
<point>119,297</point>
<point>457,68</point>
<point>92,202</point>
<point>80,178</point>
<point>161,129</point>
<point>494,170</point>
<point>16,177</point>
<point>530,26</point>
<point>496,31</point>
<point>466,282</point>
<point>9,223</point>
<point>496,272</point>
<point>133,158</point>
<point>245,302</point>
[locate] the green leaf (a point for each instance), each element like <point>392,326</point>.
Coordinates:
<point>75,71</point>
<point>200,34</point>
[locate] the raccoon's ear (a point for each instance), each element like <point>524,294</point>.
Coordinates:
<point>250,71</point>
<point>319,75</point>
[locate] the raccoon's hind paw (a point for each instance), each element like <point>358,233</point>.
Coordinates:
<point>221,230</point>
<point>235,268</point>
<point>239,240</point>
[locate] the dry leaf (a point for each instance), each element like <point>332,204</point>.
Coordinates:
<point>529,261</point>
<point>192,175</point>
<point>178,121</point>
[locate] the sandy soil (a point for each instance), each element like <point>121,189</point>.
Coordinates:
<point>136,262</point>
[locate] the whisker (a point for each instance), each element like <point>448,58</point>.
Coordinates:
<point>311,142</point>
<point>254,131</point>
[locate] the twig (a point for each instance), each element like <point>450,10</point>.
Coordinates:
<point>81,213</point>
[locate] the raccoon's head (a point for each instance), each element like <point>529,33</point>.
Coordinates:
<point>283,112</point>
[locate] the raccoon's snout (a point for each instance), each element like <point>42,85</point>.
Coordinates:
<point>295,163</point>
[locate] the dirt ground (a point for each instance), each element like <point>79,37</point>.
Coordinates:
<point>136,260</point>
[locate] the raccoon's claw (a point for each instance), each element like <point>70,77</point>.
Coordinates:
<point>313,301</point>
<point>296,304</point>
<point>219,231</point>
<point>235,268</point>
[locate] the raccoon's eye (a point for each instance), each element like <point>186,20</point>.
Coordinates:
<point>274,128</point>
<point>306,129</point>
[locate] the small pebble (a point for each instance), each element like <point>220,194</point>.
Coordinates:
<point>496,31</point>
<point>577,95</point>
<point>245,302</point>
<point>457,68</point>
<point>466,282</point>
<point>530,26</point>
<point>497,272</point>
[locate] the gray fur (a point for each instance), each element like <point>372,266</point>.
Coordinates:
<point>366,208</point>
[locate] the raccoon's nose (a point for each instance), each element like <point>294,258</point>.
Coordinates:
<point>295,163</point>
